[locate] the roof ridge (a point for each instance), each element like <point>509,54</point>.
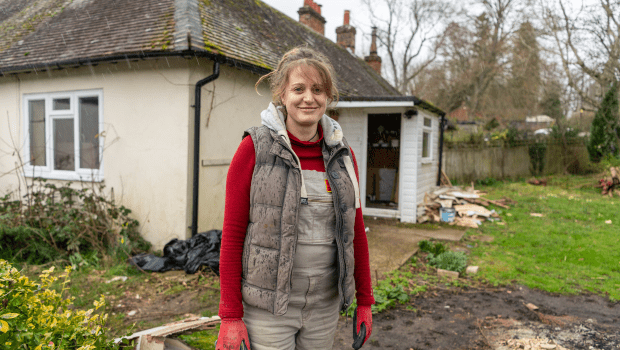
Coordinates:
<point>187,25</point>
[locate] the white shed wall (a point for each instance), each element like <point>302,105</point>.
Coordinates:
<point>409,162</point>
<point>427,171</point>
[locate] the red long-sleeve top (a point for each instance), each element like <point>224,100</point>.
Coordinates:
<point>236,219</point>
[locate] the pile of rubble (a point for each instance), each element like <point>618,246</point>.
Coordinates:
<point>459,207</point>
<point>610,184</point>
<point>533,344</point>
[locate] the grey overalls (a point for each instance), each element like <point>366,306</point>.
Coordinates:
<point>312,315</point>
<point>298,262</point>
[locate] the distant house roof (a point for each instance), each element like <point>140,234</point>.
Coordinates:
<point>43,34</point>
<point>540,119</point>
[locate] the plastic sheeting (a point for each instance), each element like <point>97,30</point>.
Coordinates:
<point>201,250</point>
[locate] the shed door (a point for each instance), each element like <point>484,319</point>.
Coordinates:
<point>383,162</point>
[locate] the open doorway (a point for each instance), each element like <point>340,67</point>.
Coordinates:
<point>383,159</point>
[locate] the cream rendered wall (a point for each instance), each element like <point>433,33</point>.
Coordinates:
<point>236,107</point>
<point>146,114</point>
<point>10,133</point>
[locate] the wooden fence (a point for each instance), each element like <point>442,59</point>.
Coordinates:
<point>465,164</point>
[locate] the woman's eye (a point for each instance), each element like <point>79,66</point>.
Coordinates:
<point>298,89</point>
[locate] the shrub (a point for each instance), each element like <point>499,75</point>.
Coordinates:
<point>537,153</point>
<point>453,261</point>
<point>33,316</point>
<point>433,249</point>
<point>605,130</point>
<point>65,221</point>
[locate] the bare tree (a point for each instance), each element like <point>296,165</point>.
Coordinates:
<point>587,41</point>
<point>411,34</point>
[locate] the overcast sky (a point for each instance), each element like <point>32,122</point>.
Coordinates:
<point>333,11</point>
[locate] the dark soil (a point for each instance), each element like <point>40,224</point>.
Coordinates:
<point>488,318</point>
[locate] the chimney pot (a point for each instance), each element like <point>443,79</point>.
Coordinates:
<point>345,34</point>
<point>310,15</point>
<point>373,59</point>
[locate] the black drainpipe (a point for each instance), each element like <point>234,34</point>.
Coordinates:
<point>441,127</point>
<point>199,85</point>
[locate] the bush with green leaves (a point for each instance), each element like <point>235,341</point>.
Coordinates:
<point>537,152</point>
<point>605,128</point>
<point>431,248</point>
<point>34,316</point>
<point>54,222</point>
<point>452,261</point>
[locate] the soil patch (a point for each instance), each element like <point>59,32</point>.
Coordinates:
<point>490,319</point>
<point>162,298</point>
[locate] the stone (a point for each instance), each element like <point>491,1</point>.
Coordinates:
<point>471,270</point>
<point>447,273</point>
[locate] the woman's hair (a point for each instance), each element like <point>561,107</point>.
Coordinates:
<point>301,55</point>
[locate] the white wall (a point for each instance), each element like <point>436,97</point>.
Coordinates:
<point>145,114</point>
<point>427,171</point>
<point>409,164</point>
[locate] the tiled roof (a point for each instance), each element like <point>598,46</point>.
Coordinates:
<point>39,32</point>
<point>254,32</point>
<point>246,33</point>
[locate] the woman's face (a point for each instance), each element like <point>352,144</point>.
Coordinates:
<point>304,97</point>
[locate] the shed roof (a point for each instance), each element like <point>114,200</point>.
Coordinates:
<point>40,34</point>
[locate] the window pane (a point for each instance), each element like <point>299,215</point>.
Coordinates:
<point>426,147</point>
<point>61,104</point>
<point>427,122</point>
<point>36,109</point>
<point>64,145</point>
<point>89,130</point>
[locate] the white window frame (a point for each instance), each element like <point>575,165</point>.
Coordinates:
<point>429,130</point>
<point>48,171</point>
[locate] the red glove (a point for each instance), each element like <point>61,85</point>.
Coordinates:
<point>362,325</point>
<point>233,335</point>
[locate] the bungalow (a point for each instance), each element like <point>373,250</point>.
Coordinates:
<point>152,97</point>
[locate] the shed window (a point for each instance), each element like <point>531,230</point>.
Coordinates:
<point>63,130</point>
<point>427,140</point>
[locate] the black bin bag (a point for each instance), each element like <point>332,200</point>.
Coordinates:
<point>188,255</point>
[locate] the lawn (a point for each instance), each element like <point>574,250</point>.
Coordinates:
<point>570,245</point>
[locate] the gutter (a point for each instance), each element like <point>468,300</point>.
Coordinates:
<point>94,61</point>
<point>197,96</point>
<point>416,101</point>
<point>442,127</point>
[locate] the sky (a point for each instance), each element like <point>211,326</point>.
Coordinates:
<point>333,12</point>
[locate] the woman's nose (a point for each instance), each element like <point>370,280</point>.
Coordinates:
<point>308,96</point>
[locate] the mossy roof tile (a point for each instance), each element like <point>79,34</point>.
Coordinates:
<point>35,33</point>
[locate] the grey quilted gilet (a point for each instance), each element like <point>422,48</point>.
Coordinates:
<point>271,238</point>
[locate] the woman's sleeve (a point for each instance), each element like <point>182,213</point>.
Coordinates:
<point>236,218</point>
<point>363,283</point>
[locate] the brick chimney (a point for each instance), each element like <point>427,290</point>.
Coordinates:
<point>345,34</point>
<point>373,59</point>
<point>310,15</point>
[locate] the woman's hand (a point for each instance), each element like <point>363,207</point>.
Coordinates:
<point>362,325</point>
<point>233,335</point>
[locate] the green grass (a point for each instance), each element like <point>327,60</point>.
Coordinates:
<point>570,250</point>
<point>204,340</point>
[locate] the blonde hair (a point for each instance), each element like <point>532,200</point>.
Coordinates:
<point>301,55</point>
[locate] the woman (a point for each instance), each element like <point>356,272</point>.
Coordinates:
<point>294,247</point>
